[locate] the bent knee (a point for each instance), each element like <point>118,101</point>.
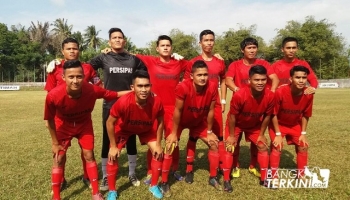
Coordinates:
<point>261,146</point>
<point>302,148</point>
<point>89,155</point>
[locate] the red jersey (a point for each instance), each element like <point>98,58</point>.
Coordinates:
<point>196,105</point>
<point>74,113</point>
<point>55,78</point>
<point>290,109</point>
<point>240,72</point>
<point>282,68</point>
<point>164,76</point>
<point>134,119</point>
<point>216,69</point>
<point>250,111</point>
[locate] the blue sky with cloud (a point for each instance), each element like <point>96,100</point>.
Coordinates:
<point>144,20</point>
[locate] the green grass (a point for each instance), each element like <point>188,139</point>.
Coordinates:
<point>25,150</point>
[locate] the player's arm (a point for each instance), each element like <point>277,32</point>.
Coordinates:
<point>231,84</point>
<point>97,62</point>
<point>114,152</point>
<point>275,81</point>
<point>223,92</point>
<point>302,138</point>
<point>265,122</point>
<point>211,137</point>
<point>56,147</point>
<point>277,142</point>
<point>158,151</point>
<point>172,138</point>
<point>231,130</point>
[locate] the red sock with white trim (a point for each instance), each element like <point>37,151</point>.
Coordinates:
<point>112,171</point>
<point>166,167</point>
<point>91,168</point>
<point>263,160</point>
<point>56,177</point>
<point>156,168</point>
<point>214,159</point>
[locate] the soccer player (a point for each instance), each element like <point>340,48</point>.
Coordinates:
<point>194,109</point>
<point>136,113</point>
<point>289,60</point>
<point>237,77</point>
<point>250,112</point>
<point>216,70</point>
<point>70,51</point>
<point>117,68</point>
<point>291,115</point>
<point>68,110</point>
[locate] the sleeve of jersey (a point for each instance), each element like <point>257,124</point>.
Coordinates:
<point>269,69</point>
<point>188,70</point>
<point>235,104</point>
<point>308,110</point>
<point>116,110</point>
<point>231,71</point>
<point>50,109</point>
<point>50,81</point>
<point>107,95</point>
<point>147,60</point>
<point>160,109</point>
<point>311,78</point>
<point>223,70</point>
<point>215,94</point>
<point>270,104</point>
<point>96,62</point>
<point>139,64</point>
<point>180,92</point>
<point>278,101</point>
<point>184,64</point>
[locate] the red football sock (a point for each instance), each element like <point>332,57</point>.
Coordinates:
<point>191,150</point>
<point>275,157</point>
<point>253,155</point>
<point>227,165</point>
<point>91,168</point>
<point>149,161</point>
<point>235,157</point>
<point>222,151</point>
<point>56,177</point>
<point>176,158</point>
<point>156,168</point>
<point>263,160</point>
<point>301,162</point>
<point>166,167</point>
<point>213,158</point>
<point>112,171</point>
<point>86,176</point>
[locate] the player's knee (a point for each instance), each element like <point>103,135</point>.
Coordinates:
<point>89,155</point>
<point>213,146</point>
<point>302,148</point>
<point>261,146</point>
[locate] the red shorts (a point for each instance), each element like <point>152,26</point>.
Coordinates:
<point>84,134</point>
<point>250,135</point>
<point>199,131</point>
<point>122,137</point>
<point>292,133</point>
<point>168,120</point>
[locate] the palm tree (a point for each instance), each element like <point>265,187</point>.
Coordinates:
<point>90,37</point>
<point>40,33</point>
<point>60,31</point>
<point>79,37</point>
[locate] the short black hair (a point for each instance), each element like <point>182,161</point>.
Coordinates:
<point>249,41</point>
<point>299,68</point>
<point>69,40</point>
<point>257,69</point>
<point>140,73</point>
<point>112,30</point>
<point>289,39</point>
<point>198,64</point>
<point>164,37</point>
<point>206,32</point>
<point>72,64</point>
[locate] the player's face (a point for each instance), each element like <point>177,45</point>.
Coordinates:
<point>250,51</point>
<point>74,78</point>
<point>200,76</point>
<point>164,48</point>
<point>290,49</point>
<point>207,43</point>
<point>117,41</point>
<point>299,79</point>
<point>70,51</point>
<point>142,88</point>
<point>257,82</point>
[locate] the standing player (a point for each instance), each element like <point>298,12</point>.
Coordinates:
<point>70,51</point>
<point>117,69</point>
<point>68,110</point>
<point>250,111</point>
<point>194,109</point>
<point>237,77</point>
<point>216,70</point>
<point>136,113</point>
<point>291,115</point>
<point>289,60</point>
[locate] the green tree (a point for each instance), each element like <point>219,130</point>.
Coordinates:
<point>79,37</point>
<point>61,30</point>
<point>7,50</point>
<point>40,33</point>
<point>91,38</point>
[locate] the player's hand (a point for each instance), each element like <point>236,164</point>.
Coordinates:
<point>262,139</point>
<point>106,50</point>
<point>218,56</point>
<point>56,148</point>
<point>223,106</point>
<point>310,90</point>
<point>158,152</point>
<point>51,66</point>
<point>172,138</point>
<point>277,142</point>
<point>113,153</point>
<point>303,139</point>
<point>212,139</point>
<point>235,89</point>
<point>230,143</point>
<point>177,56</point>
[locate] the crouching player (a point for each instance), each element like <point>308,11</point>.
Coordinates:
<point>136,113</point>
<point>194,109</point>
<point>292,111</point>
<point>68,110</point>
<point>250,111</point>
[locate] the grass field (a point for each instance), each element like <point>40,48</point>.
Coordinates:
<point>25,150</point>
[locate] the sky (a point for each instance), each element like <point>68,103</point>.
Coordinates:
<point>143,21</point>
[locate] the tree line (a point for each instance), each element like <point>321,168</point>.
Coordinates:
<point>24,52</point>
